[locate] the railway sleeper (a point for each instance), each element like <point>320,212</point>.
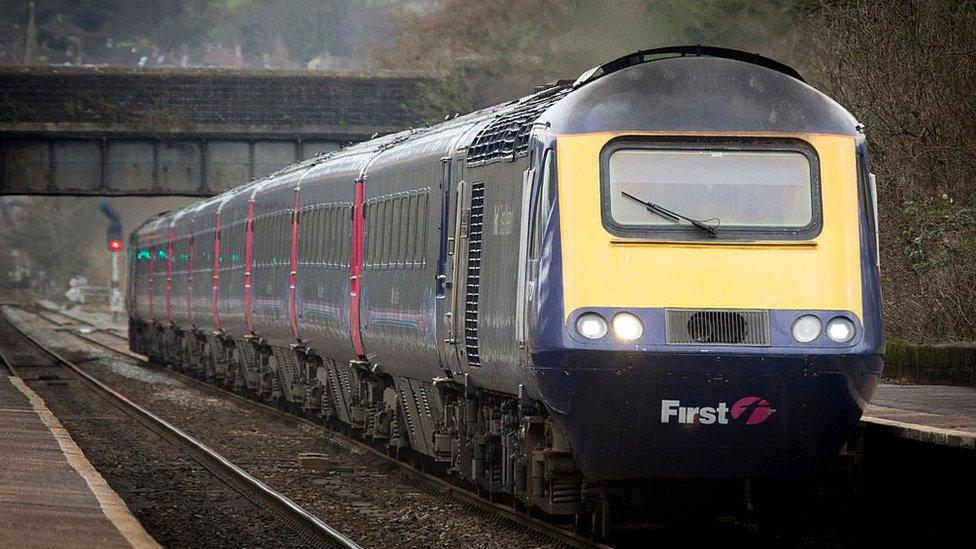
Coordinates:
<point>503,446</point>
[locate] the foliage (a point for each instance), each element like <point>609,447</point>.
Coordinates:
<point>905,69</point>
<point>940,233</point>
<point>284,33</point>
<point>505,48</point>
<point>44,239</point>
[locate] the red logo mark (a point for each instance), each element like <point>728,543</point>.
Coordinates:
<point>755,409</point>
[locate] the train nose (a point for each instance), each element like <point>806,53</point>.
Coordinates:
<point>657,416</point>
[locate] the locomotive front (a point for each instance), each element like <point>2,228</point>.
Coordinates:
<point>708,300</point>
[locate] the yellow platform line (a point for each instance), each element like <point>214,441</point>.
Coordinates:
<point>112,505</point>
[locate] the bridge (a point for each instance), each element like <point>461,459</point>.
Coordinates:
<point>125,132</point>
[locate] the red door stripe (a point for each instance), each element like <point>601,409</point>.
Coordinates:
<point>293,274</point>
<point>152,279</point>
<point>248,251</point>
<point>215,290</point>
<point>169,274</point>
<point>356,267</point>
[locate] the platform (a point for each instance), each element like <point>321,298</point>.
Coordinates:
<point>937,414</point>
<point>50,495</point>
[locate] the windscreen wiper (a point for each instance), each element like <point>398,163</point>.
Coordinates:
<point>673,217</point>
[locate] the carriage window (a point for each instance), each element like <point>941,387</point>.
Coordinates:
<point>399,231</point>
<point>345,251</point>
<point>399,228</point>
<point>371,230</point>
<point>420,253</point>
<point>304,240</point>
<point>328,249</point>
<point>387,223</point>
<point>325,236</point>
<point>335,242</point>
<point>730,189</point>
<point>395,232</point>
<point>410,256</point>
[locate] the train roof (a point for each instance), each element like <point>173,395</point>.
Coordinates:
<point>697,89</point>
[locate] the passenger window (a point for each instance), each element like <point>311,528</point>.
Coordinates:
<point>406,226</point>
<point>303,237</point>
<point>409,234</point>
<point>283,250</point>
<point>325,238</point>
<point>346,234</point>
<point>399,228</point>
<point>326,254</point>
<point>421,252</point>
<point>309,217</point>
<point>370,234</point>
<point>384,239</point>
<point>335,236</point>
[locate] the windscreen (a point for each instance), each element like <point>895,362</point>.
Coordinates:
<point>724,188</point>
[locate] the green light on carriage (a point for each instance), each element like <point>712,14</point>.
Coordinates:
<point>162,254</point>
<point>185,257</point>
<point>234,258</point>
<point>143,255</point>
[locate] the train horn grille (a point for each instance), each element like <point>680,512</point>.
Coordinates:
<point>717,327</point>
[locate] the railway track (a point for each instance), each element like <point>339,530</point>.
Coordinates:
<point>113,341</point>
<point>16,347</point>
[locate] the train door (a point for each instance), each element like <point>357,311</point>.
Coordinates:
<point>356,266</point>
<point>538,196</point>
<point>468,227</point>
<point>447,283</point>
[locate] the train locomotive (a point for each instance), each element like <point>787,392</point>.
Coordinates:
<point>663,271</point>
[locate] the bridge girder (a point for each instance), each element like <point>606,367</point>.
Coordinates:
<point>53,164</point>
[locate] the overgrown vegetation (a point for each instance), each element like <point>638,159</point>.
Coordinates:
<point>488,52</point>
<point>905,68</point>
<point>41,249</point>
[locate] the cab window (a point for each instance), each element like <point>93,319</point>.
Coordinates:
<point>761,191</point>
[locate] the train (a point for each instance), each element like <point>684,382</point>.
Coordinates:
<point>662,272</point>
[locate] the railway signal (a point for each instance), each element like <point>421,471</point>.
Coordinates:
<point>113,238</point>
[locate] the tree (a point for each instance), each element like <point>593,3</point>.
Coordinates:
<point>488,52</point>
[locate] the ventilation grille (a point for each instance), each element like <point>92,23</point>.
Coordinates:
<point>475,228</point>
<point>717,327</point>
<point>507,136</point>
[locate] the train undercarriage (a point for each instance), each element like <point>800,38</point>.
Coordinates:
<point>503,447</point>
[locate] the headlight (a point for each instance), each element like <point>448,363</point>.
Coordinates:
<point>627,326</point>
<point>591,326</point>
<point>840,330</point>
<point>806,328</point>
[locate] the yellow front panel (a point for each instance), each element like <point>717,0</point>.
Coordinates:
<point>600,269</point>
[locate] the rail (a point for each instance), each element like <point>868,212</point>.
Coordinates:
<point>555,533</point>
<point>313,529</point>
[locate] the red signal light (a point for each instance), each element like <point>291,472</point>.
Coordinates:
<point>115,245</point>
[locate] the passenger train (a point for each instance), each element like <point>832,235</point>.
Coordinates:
<point>664,271</point>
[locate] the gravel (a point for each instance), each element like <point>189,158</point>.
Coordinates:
<point>361,495</point>
<point>178,502</point>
